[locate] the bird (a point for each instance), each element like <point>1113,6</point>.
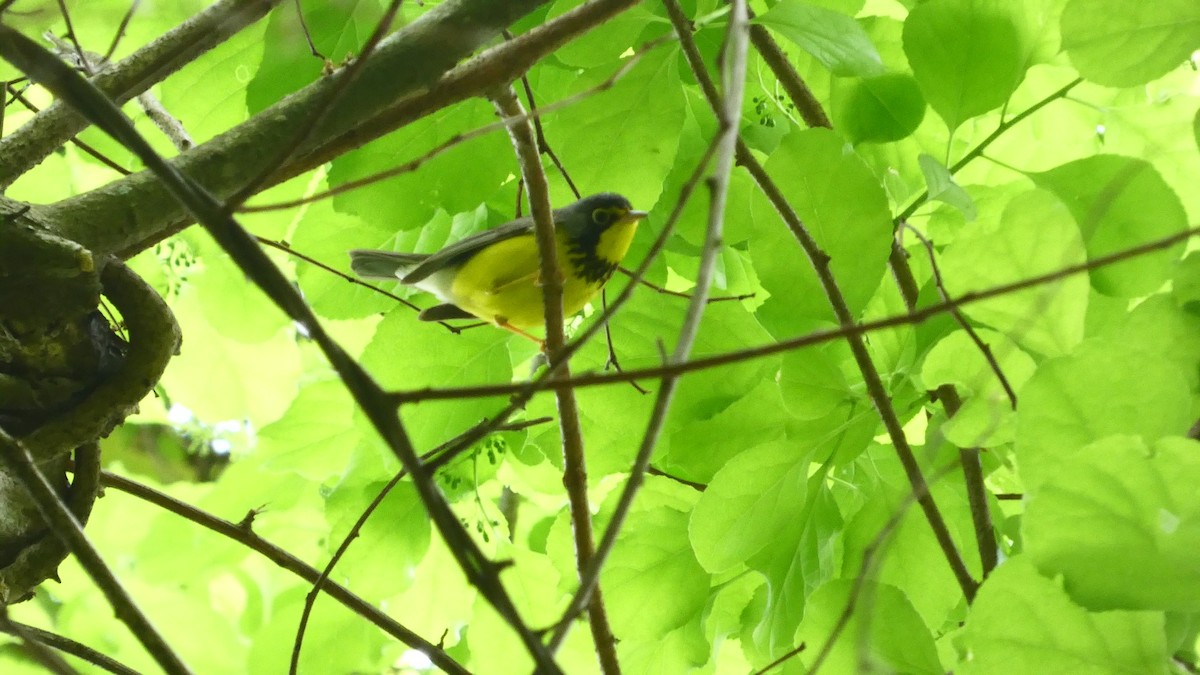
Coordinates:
<point>495,275</point>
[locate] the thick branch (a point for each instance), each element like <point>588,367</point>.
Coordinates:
<point>137,210</point>
<point>20,464</point>
<point>27,146</point>
<point>154,338</point>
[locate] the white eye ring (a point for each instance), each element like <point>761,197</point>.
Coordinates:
<point>601,216</point>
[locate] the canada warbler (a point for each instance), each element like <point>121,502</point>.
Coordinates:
<point>496,275</point>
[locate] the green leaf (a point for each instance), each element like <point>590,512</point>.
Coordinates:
<point>812,384</point>
<point>653,583</point>
<point>315,438</point>
<point>1035,235</point>
<point>1119,203</point>
<point>214,376</point>
<point>941,186</point>
<point>679,651</point>
<point>383,560</point>
<point>621,148</point>
<point>833,38</point>
<point>1022,622</point>
<point>844,208</point>
<point>1121,524</point>
<point>1160,329</point>
<point>399,356</point>
<point>967,55</point>
<point>747,503</point>
<point>1185,287</point>
<point>904,552</point>
<point>881,109</point>
<point>794,562</point>
<point>883,633</point>
<point>1104,388</point>
<point>1123,44</point>
<point>986,418</point>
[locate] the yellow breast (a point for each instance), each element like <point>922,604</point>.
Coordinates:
<point>500,284</point>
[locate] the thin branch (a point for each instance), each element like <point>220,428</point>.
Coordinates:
<point>973,479</point>
<point>991,138</point>
<point>64,525</point>
<point>312,46</point>
<point>66,16</point>
<point>34,648</point>
<point>608,342</point>
<point>570,426</point>
<point>876,390</point>
<point>20,97</point>
<point>68,646</point>
<point>805,101</point>
<point>791,653</point>
<point>679,294</point>
<point>318,585</point>
<point>119,34</point>
<point>286,248</point>
<point>285,560</point>
<point>455,141</point>
<point>543,144</point>
<point>728,116</point>
<point>304,131</point>
<point>961,319</point>
<point>26,147</point>
<point>84,97</point>
<point>806,340</point>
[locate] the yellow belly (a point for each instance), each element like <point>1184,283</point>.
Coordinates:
<point>500,284</point>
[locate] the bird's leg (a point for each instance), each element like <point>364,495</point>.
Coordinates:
<point>503,323</point>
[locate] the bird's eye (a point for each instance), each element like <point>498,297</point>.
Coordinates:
<point>601,216</point>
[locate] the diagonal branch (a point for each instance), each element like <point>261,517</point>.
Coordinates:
<point>401,82</point>
<point>729,116</point>
<point>240,245</point>
<point>286,561</point>
<point>807,340</point>
<point>27,146</point>
<point>20,463</point>
<point>820,262</point>
<point>569,423</point>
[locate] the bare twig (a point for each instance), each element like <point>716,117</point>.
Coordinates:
<point>678,294</point>
<point>318,585</point>
<point>84,97</point>
<point>807,340</point>
<point>34,648</point>
<point>961,320</point>
<point>68,646</point>
<point>820,262</point>
<point>728,116</point>
<point>456,140</point>
<point>62,522</point>
<point>119,34</point>
<point>20,97</point>
<point>570,425</point>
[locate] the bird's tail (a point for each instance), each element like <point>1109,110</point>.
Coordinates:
<point>383,264</point>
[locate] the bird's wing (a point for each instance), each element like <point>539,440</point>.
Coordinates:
<point>460,251</point>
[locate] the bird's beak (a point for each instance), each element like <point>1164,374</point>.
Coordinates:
<point>636,215</point>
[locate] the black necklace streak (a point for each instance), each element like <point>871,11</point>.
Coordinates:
<point>582,255</point>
